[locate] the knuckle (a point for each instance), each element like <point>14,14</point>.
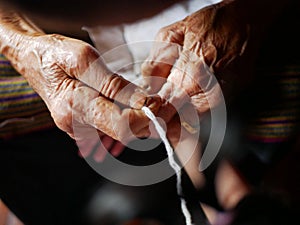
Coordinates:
<point>63,120</point>
<point>111,86</point>
<point>171,33</point>
<point>163,34</point>
<point>62,117</point>
<point>56,37</point>
<point>88,50</point>
<point>128,127</point>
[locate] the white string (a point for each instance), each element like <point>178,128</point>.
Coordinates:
<point>172,162</point>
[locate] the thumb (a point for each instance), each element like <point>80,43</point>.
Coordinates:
<point>164,53</point>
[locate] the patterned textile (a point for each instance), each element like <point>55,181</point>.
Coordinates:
<point>281,120</point>
<point>21,109</point>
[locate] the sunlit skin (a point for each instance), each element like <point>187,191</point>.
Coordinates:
<point>71,78</point>
<point>75,84</point>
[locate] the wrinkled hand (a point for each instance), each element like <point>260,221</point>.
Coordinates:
<point>188,53</point>
<point>182,66</point>
<point>74,75</point>
<point>75,84</point>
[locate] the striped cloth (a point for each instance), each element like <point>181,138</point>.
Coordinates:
<point>21,109</point>
<point>280,121</point>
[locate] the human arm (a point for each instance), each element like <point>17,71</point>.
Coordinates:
<point>225,37</point>
<point>69,74</point>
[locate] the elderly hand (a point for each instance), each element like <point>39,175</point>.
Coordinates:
<point>186,55</point>
<point>75,84</point>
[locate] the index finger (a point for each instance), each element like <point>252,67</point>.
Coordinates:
<point>113,86</point>
<point>102,114</point>
<point>84,63</point>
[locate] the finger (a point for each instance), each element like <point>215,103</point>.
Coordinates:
<point>190,77</point>
<point>107,142</point>
<point>103,148</point>
<point>100,153</point>
<point>167,112</point>
<point>87,138</point>
<point>110,145</point>
<point>82,104</point>
<point>163,55</point>
<point>86,146</point>
<point>174,130</point>
<point>88,67</point>
<point>120,124</point>
<point>117,148</point>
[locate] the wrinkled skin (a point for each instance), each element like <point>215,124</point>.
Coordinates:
<point>198,60</point>
<point>75,84</point>
<point>69,74</point>
<point>81,100</point>
<point>189,52</point>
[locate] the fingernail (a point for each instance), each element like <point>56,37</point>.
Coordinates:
<point>153,102</point>
<point>148,101</point>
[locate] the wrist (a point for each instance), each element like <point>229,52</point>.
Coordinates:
<point>18,21</point>
<point>13,43</point>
